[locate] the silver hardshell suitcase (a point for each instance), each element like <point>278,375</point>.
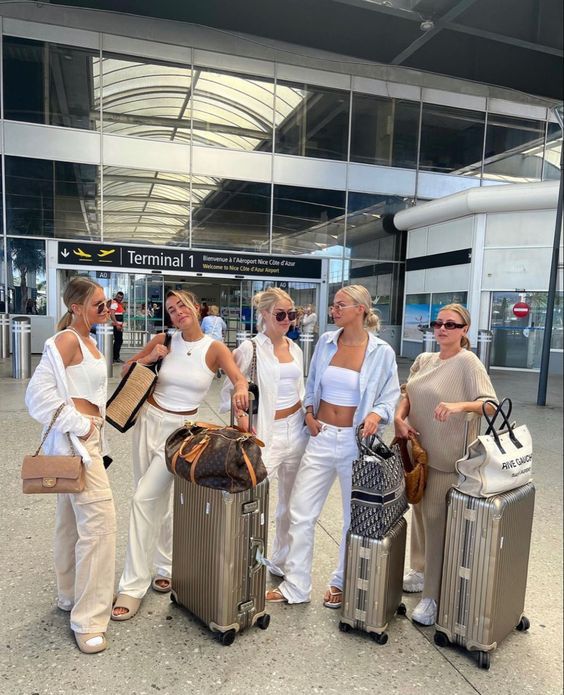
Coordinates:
<point>373,582</point>
<point>219,539</point>
<point>485,564</point>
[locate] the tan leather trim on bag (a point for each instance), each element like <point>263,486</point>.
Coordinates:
<point>249,467</point>
<point>195,455</point>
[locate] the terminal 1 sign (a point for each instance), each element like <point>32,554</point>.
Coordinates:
<point>171,259</point>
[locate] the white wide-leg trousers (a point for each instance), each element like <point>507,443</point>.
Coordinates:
<point>289,439</point>
<point>150,504</point>
<point>328,455</point>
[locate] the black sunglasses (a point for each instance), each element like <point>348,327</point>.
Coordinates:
<point>449,325</point>
<point>281,315</point>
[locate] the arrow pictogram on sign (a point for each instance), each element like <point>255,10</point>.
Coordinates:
<point>64,253</point>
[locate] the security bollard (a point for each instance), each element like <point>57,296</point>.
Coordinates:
<point>429,342</point>
<point>306,340</point>
<point>105,342</point>
<point>21,347</point>
<point>4,336</point>
<point>241,337</point>
<point>485,340</point>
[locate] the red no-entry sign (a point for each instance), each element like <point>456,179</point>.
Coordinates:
<point>521,309</point>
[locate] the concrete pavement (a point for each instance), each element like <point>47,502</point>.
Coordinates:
<point>164,650</point>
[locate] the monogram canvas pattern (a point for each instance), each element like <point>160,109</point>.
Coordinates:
<point>223,458</point>
<point>378,492</point>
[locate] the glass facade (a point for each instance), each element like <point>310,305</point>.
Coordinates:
<point>384,131</point>
<point>177,152</point>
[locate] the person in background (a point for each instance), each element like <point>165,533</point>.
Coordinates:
<point>185,375</point>
<point>279,422</point>
<point>116,316</point>
<point>204,310</point>
<point>352,381</point>
<point>71,376</point>
<point>213,325</point>
<point>309,320</point>
<point>442,388</point>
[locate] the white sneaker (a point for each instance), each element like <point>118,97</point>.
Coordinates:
<point>425,612</point>
<point>413,582</point>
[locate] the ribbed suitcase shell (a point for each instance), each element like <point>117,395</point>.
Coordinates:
<point>373,579</point>
<point>485,564</point>
<point>215,572</point>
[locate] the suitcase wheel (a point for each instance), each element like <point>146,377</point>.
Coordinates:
<point>524,624</point>
<point>402,610</point>
<point>441,640</point>
<point>484,660</point>
<point>264,621</point>
<point>227,638</point>
<point>344,627</point>
<point>380,637</point>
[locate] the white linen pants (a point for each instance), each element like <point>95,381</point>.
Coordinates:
<point>150,503</point>
<point>289,439</point>
<point>328,455</point>
<point>85,546</point>
<point>143,445</point>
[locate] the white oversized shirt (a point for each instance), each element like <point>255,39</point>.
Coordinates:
<point>47,390</point>
<point>268,378</point>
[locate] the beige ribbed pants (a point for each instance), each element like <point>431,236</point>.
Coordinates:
<point>85,546</point>
<point>428,520</point>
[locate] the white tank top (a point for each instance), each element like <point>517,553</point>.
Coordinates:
<point>88,379</point>
<point>184,376</point>
<point>340,386</point>
<point>288,385</point>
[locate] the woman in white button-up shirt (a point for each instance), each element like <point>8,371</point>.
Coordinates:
<point>279,421</point>
<point>352,381</point>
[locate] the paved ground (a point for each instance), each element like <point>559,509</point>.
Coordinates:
<point>163,650</point>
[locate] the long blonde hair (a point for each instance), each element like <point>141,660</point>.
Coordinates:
<point>79,290</point>
<point>464,314</point>
<point>266,300</point>
<point>189,300</point>
<point>361,296</point>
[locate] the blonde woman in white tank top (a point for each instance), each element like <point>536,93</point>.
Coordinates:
<point>279,422</point>
<point>188,368</point>
<point>72,374</point>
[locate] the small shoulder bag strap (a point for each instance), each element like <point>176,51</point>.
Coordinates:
<point>253,374</point>
<point>55,416</point>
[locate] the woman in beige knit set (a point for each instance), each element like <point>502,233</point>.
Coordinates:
<point>441,390</point>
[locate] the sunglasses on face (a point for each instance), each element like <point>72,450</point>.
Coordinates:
<point>281,315</point>
<point>102,306</point>
<point>449,325</point>
<point>340,307</point>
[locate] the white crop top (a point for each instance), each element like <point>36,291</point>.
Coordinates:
<point>340,386</point>
<point>88,379</point>
<point>288,394</point>
<point>184,376</point>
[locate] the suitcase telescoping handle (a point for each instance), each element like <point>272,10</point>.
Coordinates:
<point>251,412</point>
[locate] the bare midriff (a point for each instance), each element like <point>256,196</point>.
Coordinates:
<point>286,412</point>
<point>86,407</point>
<point>336,415</point>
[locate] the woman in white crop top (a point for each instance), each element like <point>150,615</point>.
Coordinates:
<point>279,422</point>
<point>72,373</point>
<point>186,373</point>
<point>352,381</point>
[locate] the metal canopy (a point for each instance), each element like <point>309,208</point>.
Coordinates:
<point>515,44</point>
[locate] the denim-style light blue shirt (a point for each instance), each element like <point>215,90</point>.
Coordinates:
<point>379,384</point>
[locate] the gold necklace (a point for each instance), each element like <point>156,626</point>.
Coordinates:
<point>342,342</point>
<point>191,343</point>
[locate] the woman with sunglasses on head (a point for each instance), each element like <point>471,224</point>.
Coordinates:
<point>442,388</point>
<point>352,381</point>
<point>279,422</point>
<point>71,380</point>
<point>188,367</point>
